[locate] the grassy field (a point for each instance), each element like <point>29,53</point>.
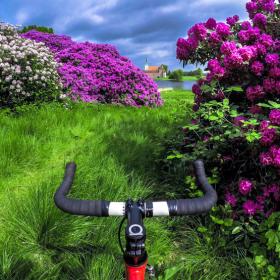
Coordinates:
<point>115,149</point>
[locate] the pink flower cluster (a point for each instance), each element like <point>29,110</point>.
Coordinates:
<point>97,73</point>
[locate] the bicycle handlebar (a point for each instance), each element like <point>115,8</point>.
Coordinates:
<point>102,208</point>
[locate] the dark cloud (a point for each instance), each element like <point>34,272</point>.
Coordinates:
<point>139,29</point>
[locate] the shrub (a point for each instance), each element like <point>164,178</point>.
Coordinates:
<point>97,72</point>
<point>236,122</point>
<point>27,70</point>
<point>177,75</point>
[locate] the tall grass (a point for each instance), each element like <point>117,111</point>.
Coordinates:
<point>115,149</point>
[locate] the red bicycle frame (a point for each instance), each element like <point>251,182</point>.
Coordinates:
<point>135,272</point>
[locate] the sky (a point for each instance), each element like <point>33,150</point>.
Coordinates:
<point>140,29</point>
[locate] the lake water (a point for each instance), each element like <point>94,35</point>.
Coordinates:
<point>172,84</point>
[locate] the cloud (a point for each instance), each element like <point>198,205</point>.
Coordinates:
<point>21,17</point>
<point>139,29</point>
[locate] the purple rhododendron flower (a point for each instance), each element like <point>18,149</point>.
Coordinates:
<point>269,85</point>
<point>245,186</point>
<point>274,72</point>
<point>231,199</point>
<point>211,24</point>
<point>257,68</point>
<point>264,124</point>
<point>272,59</point>
<point>181,51</point>
<point>247,53</point>
<point>275,154</point>
<point>250,207</point>
<point>255,92</point>
<point>234,60</point>
<point>261,49</point>
<point>260,20</point>
<point>199,31</point>
<point>215,38</point>
<point>232,20</point>
<point>274,116</point>
<point>251,7</point>
<point>228,47</point>
<point>266,159</point>
<point>223,29</point>
<point>268,136</point>
<point>196,89</point>
<point>215,68</point>
<point>245,25</point>
<point>266,40</point>
<point>269,6</point>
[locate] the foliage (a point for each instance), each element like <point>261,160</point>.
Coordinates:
<point>28,71</point>
<point>97,72</point>
<point>38,28</point>
<point>176,75</point>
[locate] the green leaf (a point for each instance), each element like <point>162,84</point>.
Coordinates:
<point>236,230</point>
<point>216,220</point>
<point>226,102</point>
<point>228,222</point>
<point>274,104</point>
<point>202,229</point>
<point>234,88</point>
<point>252,136</point>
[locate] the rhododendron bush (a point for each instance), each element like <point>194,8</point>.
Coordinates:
<point>236,119</point>
<point>27,70</point>
<point>244,76</point>
<point>97,72</point>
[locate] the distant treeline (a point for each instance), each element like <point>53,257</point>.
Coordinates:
<point>38,28</point>
<point>178,74</point>
<point>197,73</point>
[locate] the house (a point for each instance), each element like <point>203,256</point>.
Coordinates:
<point>155,72</point>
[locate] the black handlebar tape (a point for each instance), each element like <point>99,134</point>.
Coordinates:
<point>199,205</point>
<point>99,208</point>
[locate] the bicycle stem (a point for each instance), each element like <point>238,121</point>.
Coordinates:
<point>135,254</point>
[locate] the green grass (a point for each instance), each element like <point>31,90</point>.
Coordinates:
<point>115,149</point>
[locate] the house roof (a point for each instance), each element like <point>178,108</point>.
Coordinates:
<point>153,68</point>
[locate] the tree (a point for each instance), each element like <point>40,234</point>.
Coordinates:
<point>38,28</point>
<point>177,75</point>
